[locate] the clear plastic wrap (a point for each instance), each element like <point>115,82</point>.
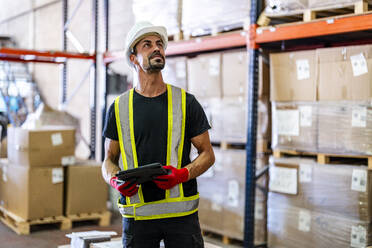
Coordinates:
<point>294,126</point>
<point>335,189</point>
<point>332,3</point>
<point>353,134</point>
<point>175,72</point>
<point>200,16</point>
<point>222,194</point>
<point>292,227</point>
<point>159,12</point>
<point>282,7</point>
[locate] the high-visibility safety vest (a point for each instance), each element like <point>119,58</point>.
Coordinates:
<point>175,203</point>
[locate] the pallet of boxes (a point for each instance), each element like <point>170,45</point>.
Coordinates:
<point>320,177</point>
<point>219,82</point>
<point>41,183</point>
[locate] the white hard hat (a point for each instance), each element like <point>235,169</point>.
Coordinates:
<point>138,31</point>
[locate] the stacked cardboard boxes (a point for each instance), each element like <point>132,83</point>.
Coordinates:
<point>41,178</point>
<point>32,179</point>
<point>317,205</point>
<point>222,192</point>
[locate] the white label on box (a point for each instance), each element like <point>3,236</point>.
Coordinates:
<point>5,172</point>
<point>359,180</point>
<point>57,139</point>
<point>359,64</point>
<point>306,118</point>
<point>259,211</point>
<point>57,175</point>
<point>233,193</point>
<point>288,122</point>
<point>303,69</point>
<point>283,180</point>
<point>214,66</point>
<point>358,236</point>
<point>181,69</point>
<point>304,221</point>
<point>68,160</point>
<point>359,117</point>
<point>306,173</point>
<point>217,200</point>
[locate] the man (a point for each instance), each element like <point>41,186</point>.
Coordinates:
<point>156,122</point>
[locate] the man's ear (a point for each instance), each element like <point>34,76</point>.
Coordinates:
<point>133,59</point>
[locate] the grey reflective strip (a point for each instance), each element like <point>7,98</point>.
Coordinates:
<point>125,130</point>
<point>176,133</point>
<point>162,208</point>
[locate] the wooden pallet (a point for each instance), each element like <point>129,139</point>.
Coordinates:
<point>226,240</point>
<point>103,218</point>
<point>21,226</point>
<point>316,13</point>
<point>326,158</point>
<point>229,145</point>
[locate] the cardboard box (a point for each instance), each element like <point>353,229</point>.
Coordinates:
<point>345,73</point>
<point>335,189</point>
<point>293,227</point>
<point>294,126</point>
<point>353,134</point>
<point>175,72</point>
<point>212,108</point>
<point>293,76</point>
<point>85,189</point>
<point>49,146</point>
<point>204,76</point>
<point>263,76</point>
<point>234,74</point>
<point>222,192</point>
<point>31,193</point>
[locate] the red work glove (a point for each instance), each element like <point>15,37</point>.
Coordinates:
<point>176,176</point>
<point>126,189</point>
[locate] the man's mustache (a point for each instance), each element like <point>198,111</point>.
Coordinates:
<point>156,53</point>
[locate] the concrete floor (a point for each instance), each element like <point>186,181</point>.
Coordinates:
<point>48,236</point>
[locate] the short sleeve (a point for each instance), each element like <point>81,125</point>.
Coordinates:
<point>197,120</point>
<point>110,130</point>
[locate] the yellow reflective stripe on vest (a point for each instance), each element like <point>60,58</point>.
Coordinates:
<point>175,204</point>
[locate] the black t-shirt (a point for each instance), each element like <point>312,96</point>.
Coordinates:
<point>150,117</point>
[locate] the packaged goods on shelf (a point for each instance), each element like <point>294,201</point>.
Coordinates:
<point>293,76</point>
<point>333,3</point>
<point>234,74</point>
<point>85,190</point>
<point>345,127</point>
<point>158,14</point>
<point>335,189</point>
<point>282,7</point>
<point>222,193</point>
<point>43,147</point>
<point>175,72</point>
<point>294,227</point>
<point>294,126</point>
<point>204,76</point>
<point>31,193</point>
<point>344,73</point>
<point>221,16</point>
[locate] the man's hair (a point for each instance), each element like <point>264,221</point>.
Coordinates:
<point>134,50</point>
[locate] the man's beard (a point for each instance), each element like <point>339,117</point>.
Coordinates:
<point>156,64</point>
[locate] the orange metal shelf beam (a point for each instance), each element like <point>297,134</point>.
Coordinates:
<point>23,55</point>
<point>221,41</point>
<point>322,27</point>
<point>202,44</point>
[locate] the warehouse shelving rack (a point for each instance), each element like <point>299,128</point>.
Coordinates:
<point>61,58</point>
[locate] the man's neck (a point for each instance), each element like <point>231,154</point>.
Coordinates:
<point>150,85</point>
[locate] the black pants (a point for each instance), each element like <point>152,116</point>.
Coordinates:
<point>176,232</point>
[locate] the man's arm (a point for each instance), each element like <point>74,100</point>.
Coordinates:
<point>110,165</point>
<point>206,155</point>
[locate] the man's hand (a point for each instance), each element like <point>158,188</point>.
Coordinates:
<point>176,176</point>
<point>126,189</point>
